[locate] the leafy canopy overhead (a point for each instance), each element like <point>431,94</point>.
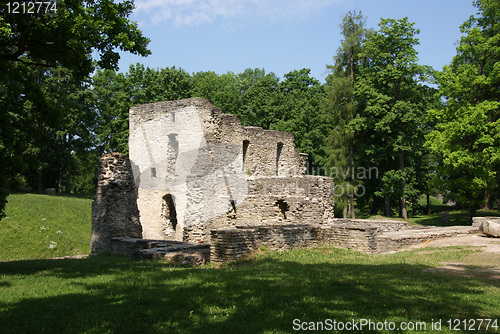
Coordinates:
<point>68,36</point>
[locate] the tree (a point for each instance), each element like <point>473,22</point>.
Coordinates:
<point>72,134</point>
<point>147,85</point>
<point>220,90</point>
<point>466,138</point>
<point>259,98</point>
<point>340,107</point>
<point>112,96</point>
<point>32,43</point>
<point>391,119</point>
<point>299,113</point>
<point>68,33</point>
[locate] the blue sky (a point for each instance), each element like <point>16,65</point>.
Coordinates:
<point>281,35</point>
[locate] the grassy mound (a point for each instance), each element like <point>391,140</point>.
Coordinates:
<point>41,226</point>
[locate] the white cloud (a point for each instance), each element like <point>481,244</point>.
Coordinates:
<point>182,13</point>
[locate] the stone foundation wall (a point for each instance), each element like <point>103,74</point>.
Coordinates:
<point>301,199</point>
<point>232,244</point>
<point>114,210</point>
<point>383,225</point>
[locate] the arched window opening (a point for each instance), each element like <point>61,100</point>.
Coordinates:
<point>278,155</point>
<point>169,215</point>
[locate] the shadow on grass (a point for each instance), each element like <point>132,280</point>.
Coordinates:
<point>114,295</point>
<point>457,218</point>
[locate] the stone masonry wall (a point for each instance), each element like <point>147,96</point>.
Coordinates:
<point>232,244</point>
<point>194,164</point>
<point>301,199</point>
<point>114,210</point>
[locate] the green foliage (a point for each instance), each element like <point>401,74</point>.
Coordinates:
<point>112,101</point>
<point>299,113</point>
<point>220,90</point>
<point>45,59</point>
<point>391,123</point>
<point>341,108</point>
<point>466,138</point>
<point>259,98</point>
<point>68,36</point>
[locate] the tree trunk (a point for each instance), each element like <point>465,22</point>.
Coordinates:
<point>351,206</point>
<point>488,205</point>
<point>67,189</point>
<point>38,176</point>
<point>387,205</point>
<point>404,212</point>
<point>345,211</point>
<point>351,135</point>
<point>472,211</point>
<point>60,180</point>
<point>69,141</point>
<point>428,197</point>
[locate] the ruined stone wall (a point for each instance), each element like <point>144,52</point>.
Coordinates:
<point>232,244</point>
<point>192,163</point>
<point>384,225</point>
<point>300,199</point>
<point>271,153</point>
<point>114,210</point>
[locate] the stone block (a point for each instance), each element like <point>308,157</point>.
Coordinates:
<point>491,227</point>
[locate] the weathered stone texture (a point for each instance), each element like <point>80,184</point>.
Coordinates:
<point>489,226</point>
<point>300,199</point>
<point>232,244</point>
<point>367,236</point>
<point>114,210</point>
<point>198,169</point>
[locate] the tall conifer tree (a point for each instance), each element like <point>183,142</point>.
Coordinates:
<point>341,107</point>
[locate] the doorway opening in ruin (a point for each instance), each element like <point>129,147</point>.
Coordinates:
<point>168,215</point>
<point>278,155</point>
<point>245,149</point>
<point>283,207</point>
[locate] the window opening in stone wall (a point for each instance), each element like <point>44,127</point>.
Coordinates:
<point>169,214</point>
<point>153,172</point>
<point>278,155</point>
<point>245,149</point>
<point>173,152</point>
<point>283,207</point>
<point>172,115</point>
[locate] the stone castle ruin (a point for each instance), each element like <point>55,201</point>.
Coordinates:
<point>197,169</point>
<point>196,179</point>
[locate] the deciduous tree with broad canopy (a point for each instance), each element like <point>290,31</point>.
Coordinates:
<point>466,137</point>
<point>31,44</point>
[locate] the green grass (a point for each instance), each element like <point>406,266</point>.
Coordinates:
<point>41,226</point>
<point>457,217</point>
<point>261,295</point>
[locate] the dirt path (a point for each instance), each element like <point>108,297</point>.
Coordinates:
<point>484,264</point>
<point>488,245</point>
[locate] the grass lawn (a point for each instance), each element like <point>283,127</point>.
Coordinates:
<point>42,226</point>
<point>261,295</point>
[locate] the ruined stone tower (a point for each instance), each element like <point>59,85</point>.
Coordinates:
<point>197,169</point>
